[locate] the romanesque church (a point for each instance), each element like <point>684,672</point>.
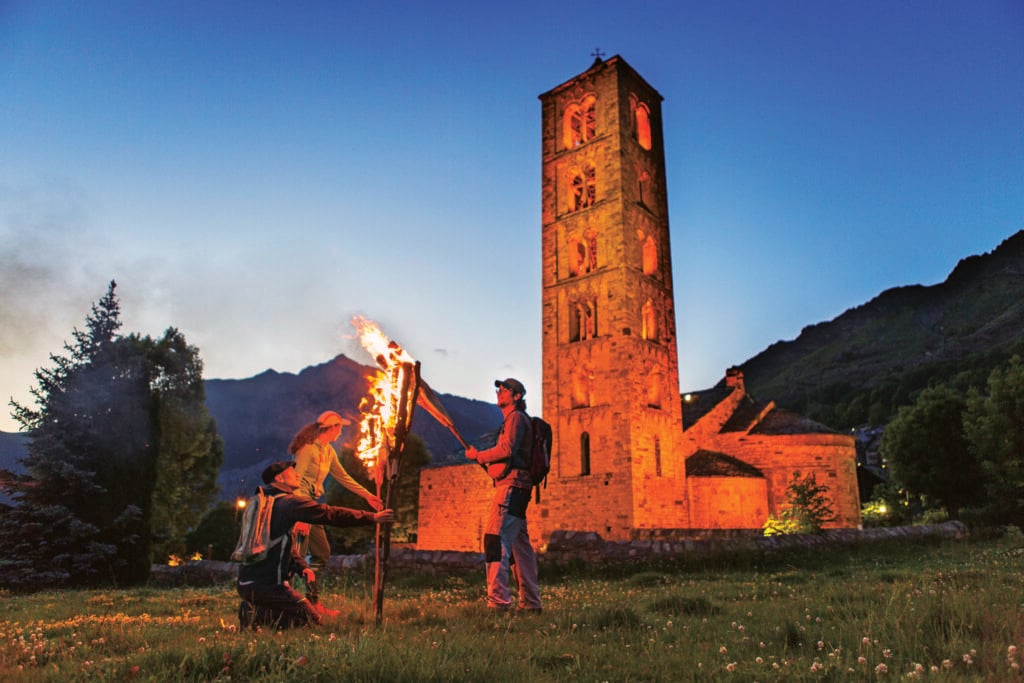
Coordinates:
<point>631,457</point>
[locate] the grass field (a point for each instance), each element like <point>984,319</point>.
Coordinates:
<point>949,610</point>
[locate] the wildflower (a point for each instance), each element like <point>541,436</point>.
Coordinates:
<point>862,660</point>
<point>302,660</point>
<point>865,640</point>
<point>821,645</point>
<point>968,660</point>
<point>881,669</point>
<point>887,653</point>
<point>722,650</point>
<point>759,660</point>
<point>946,664</point>
<point>731,666</point>
<point>815,666</point>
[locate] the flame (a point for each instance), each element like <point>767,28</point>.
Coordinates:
<point>380,407</point>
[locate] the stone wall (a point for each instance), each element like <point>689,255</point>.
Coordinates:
<point>574,547</point>
<point>453,508</point>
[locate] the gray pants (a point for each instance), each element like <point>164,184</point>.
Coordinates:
<point>507,542</point>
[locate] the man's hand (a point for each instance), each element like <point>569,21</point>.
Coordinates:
<point>471,452</point>
<point>384,516</point>
<point>375,502</point>
<point>308,575</point>
<point>301,529</point>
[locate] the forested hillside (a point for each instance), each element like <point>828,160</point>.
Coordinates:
<point>860,367</point>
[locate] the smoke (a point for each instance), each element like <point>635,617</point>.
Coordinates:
<point>44,264</point>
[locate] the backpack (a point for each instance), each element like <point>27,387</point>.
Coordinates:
<point>538,459</point>
<point>254,541</point>
<point>540,454</point>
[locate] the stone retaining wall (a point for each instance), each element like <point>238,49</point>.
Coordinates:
<point>569,547</point>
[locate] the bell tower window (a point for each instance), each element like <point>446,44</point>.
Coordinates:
<point>580,122</point>
<point>649,327</point>
<point>584,454</point>
<point>584,187</point>
<point>649,256</point>
<point>643,125</point>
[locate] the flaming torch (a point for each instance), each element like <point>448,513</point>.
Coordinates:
<point>387,413</point>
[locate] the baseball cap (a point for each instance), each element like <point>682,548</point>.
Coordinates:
<point>329,418</point>
<point>275,469</point>
<point>513,385</point>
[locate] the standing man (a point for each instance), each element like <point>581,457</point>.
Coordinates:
<point>267,595</point>
<point>315,458</point>
<point>506,538</point>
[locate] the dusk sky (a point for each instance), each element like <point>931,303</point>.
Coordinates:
<point>256,173</point>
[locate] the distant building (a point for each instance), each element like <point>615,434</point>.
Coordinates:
<point>631,457</point>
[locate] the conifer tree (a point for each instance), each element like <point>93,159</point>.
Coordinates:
<point>113,417</point>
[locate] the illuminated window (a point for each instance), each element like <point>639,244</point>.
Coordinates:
<point>580,122</point>
<point>591,250</point>
<point>583,321</point>
<point>581,387</point>
<point>577,256</point>
<point>643,125</point>
<point>649,256</point>
<point>584,454</point>
<point>649,322</point>
<point>654,389</point>
<point>584,187</point>
<point>582,253</point>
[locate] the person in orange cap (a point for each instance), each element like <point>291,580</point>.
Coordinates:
<point>315,458</point>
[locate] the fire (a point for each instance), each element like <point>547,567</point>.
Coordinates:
<point>380,409</point>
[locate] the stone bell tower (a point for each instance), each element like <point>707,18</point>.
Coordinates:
<point>610,366</point>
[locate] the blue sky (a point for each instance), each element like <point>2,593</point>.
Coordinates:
<point>256,173</point>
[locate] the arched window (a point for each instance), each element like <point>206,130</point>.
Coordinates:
<point>591,250</point>
<point>583,321</point>
<point>584,187</point>
<point>579,124</point>
<point>577,256</point>
<point>654,389</point>
<point>649,256</point>
<point>581,387</point>
<point>649,322</point>
<point>643,125</point>
<point>584,454</point>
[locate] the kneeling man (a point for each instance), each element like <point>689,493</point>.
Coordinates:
<point>267,595</point>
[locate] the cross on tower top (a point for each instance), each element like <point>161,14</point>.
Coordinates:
<point>597,54</point>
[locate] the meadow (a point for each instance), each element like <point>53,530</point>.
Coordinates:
<point>934,610</point>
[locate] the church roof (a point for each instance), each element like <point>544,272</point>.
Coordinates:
<point>697,404</point>
<point>757,417</point>
<point>713,464</point>
<point>782,422</point>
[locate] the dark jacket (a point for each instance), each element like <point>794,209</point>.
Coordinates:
<point>289,509</point>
